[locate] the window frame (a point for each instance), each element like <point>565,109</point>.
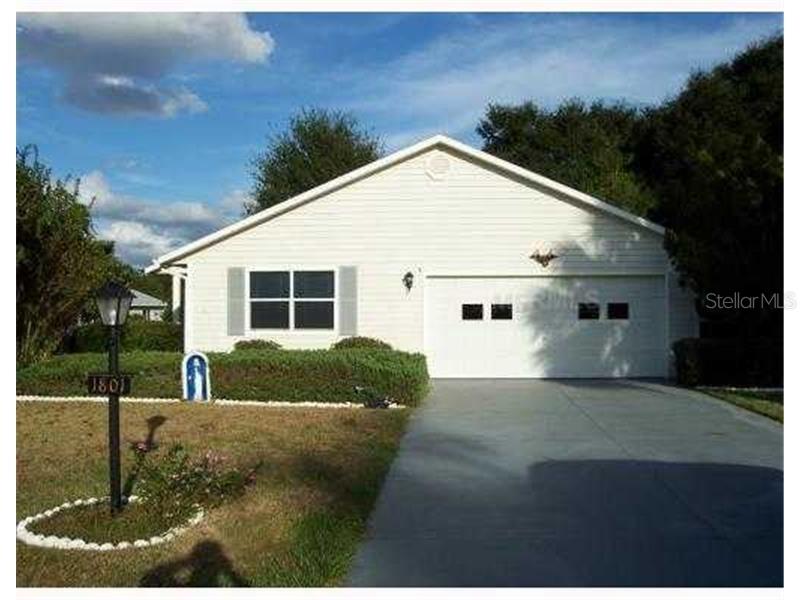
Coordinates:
<point>250,331</point>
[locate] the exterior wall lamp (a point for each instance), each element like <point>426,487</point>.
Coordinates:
<point>408,280</point>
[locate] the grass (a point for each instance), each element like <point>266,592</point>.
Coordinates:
<point>95,523</point>
<point>768,404</point>
<point>297,525</point>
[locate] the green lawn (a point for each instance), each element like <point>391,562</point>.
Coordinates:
<point>769,404</point>
<point>297,525</point>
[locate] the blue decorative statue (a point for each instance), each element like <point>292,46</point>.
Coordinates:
<point>196,377</point>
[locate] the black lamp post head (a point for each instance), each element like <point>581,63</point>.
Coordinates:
<point>113,302</point>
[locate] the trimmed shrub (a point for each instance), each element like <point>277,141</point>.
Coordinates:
<point>256,345</point>
<point>361,342</point>
<point>137,334</point>
<point>155,374</point>
<point>287,375</point>
<point>746,362</point>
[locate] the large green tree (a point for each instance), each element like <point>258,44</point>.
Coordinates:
<point>585,147</point>
<point>318,146</point>
<point>59,261</point>
<point>714,157</point>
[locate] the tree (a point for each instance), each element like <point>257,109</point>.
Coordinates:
<point>588,148</point>
<point>714,157</point>
<point>59,261</point>
<point>319,145</point>
<point>157,285</point>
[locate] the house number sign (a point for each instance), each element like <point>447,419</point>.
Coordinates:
<point>102,384</point>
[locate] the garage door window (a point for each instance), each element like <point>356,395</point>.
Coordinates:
<point>588,311</point>
<point>292,299</point>
<point>501,312</point>
<point>472,312</point>
<point>617,310</point>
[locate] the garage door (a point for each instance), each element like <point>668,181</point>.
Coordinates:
<point>545,327</point>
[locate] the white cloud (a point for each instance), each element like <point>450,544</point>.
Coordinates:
<point>123,95</point>
<point>136,242</point>
<point>233,204</point>
<point>115,63</point>
<point>143,229</point>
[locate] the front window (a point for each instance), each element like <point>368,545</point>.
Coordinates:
<point>292,299</point>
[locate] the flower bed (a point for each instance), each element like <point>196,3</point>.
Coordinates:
<point>25,535</point>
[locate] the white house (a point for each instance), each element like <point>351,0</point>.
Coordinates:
<point>487,268</point>
<point>146,306</point>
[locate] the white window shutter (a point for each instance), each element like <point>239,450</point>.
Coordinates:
<point>236,303</point>
<point>348,301</point>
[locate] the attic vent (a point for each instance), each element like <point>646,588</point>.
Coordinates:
<point>438,166</point>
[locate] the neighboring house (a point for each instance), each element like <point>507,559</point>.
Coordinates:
<point>430,249</point>
<point>146,306</point>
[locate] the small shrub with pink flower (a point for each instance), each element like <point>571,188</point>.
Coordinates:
<point>179,483</point>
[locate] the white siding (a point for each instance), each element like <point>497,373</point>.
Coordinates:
<point>472,220</point>
<point>682,319</point>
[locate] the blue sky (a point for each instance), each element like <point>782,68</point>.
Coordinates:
<point>160,115</point>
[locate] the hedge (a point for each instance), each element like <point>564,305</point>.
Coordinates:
<point>137,334</point>
<point>360,342</point>
<point>286,375</point>
<point>256,345</point>
<point>744,362</point>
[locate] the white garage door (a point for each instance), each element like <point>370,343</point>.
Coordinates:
<point>545,327</point>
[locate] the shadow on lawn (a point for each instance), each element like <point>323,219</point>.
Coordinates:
<point>153,423</point>
<point>206,565</point>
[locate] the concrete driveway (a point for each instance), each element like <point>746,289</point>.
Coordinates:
<point>578,483</point>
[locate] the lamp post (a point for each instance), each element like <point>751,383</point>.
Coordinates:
<point>113,302</point>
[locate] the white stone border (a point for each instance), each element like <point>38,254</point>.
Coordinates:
<point>64,543</point>
<point>219,402</point>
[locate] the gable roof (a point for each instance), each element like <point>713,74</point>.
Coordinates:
<point>140,300</point>
<point>388,161</point>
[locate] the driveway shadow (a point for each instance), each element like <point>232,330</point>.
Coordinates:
<point>651,523</point>
<point>576,523</point>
